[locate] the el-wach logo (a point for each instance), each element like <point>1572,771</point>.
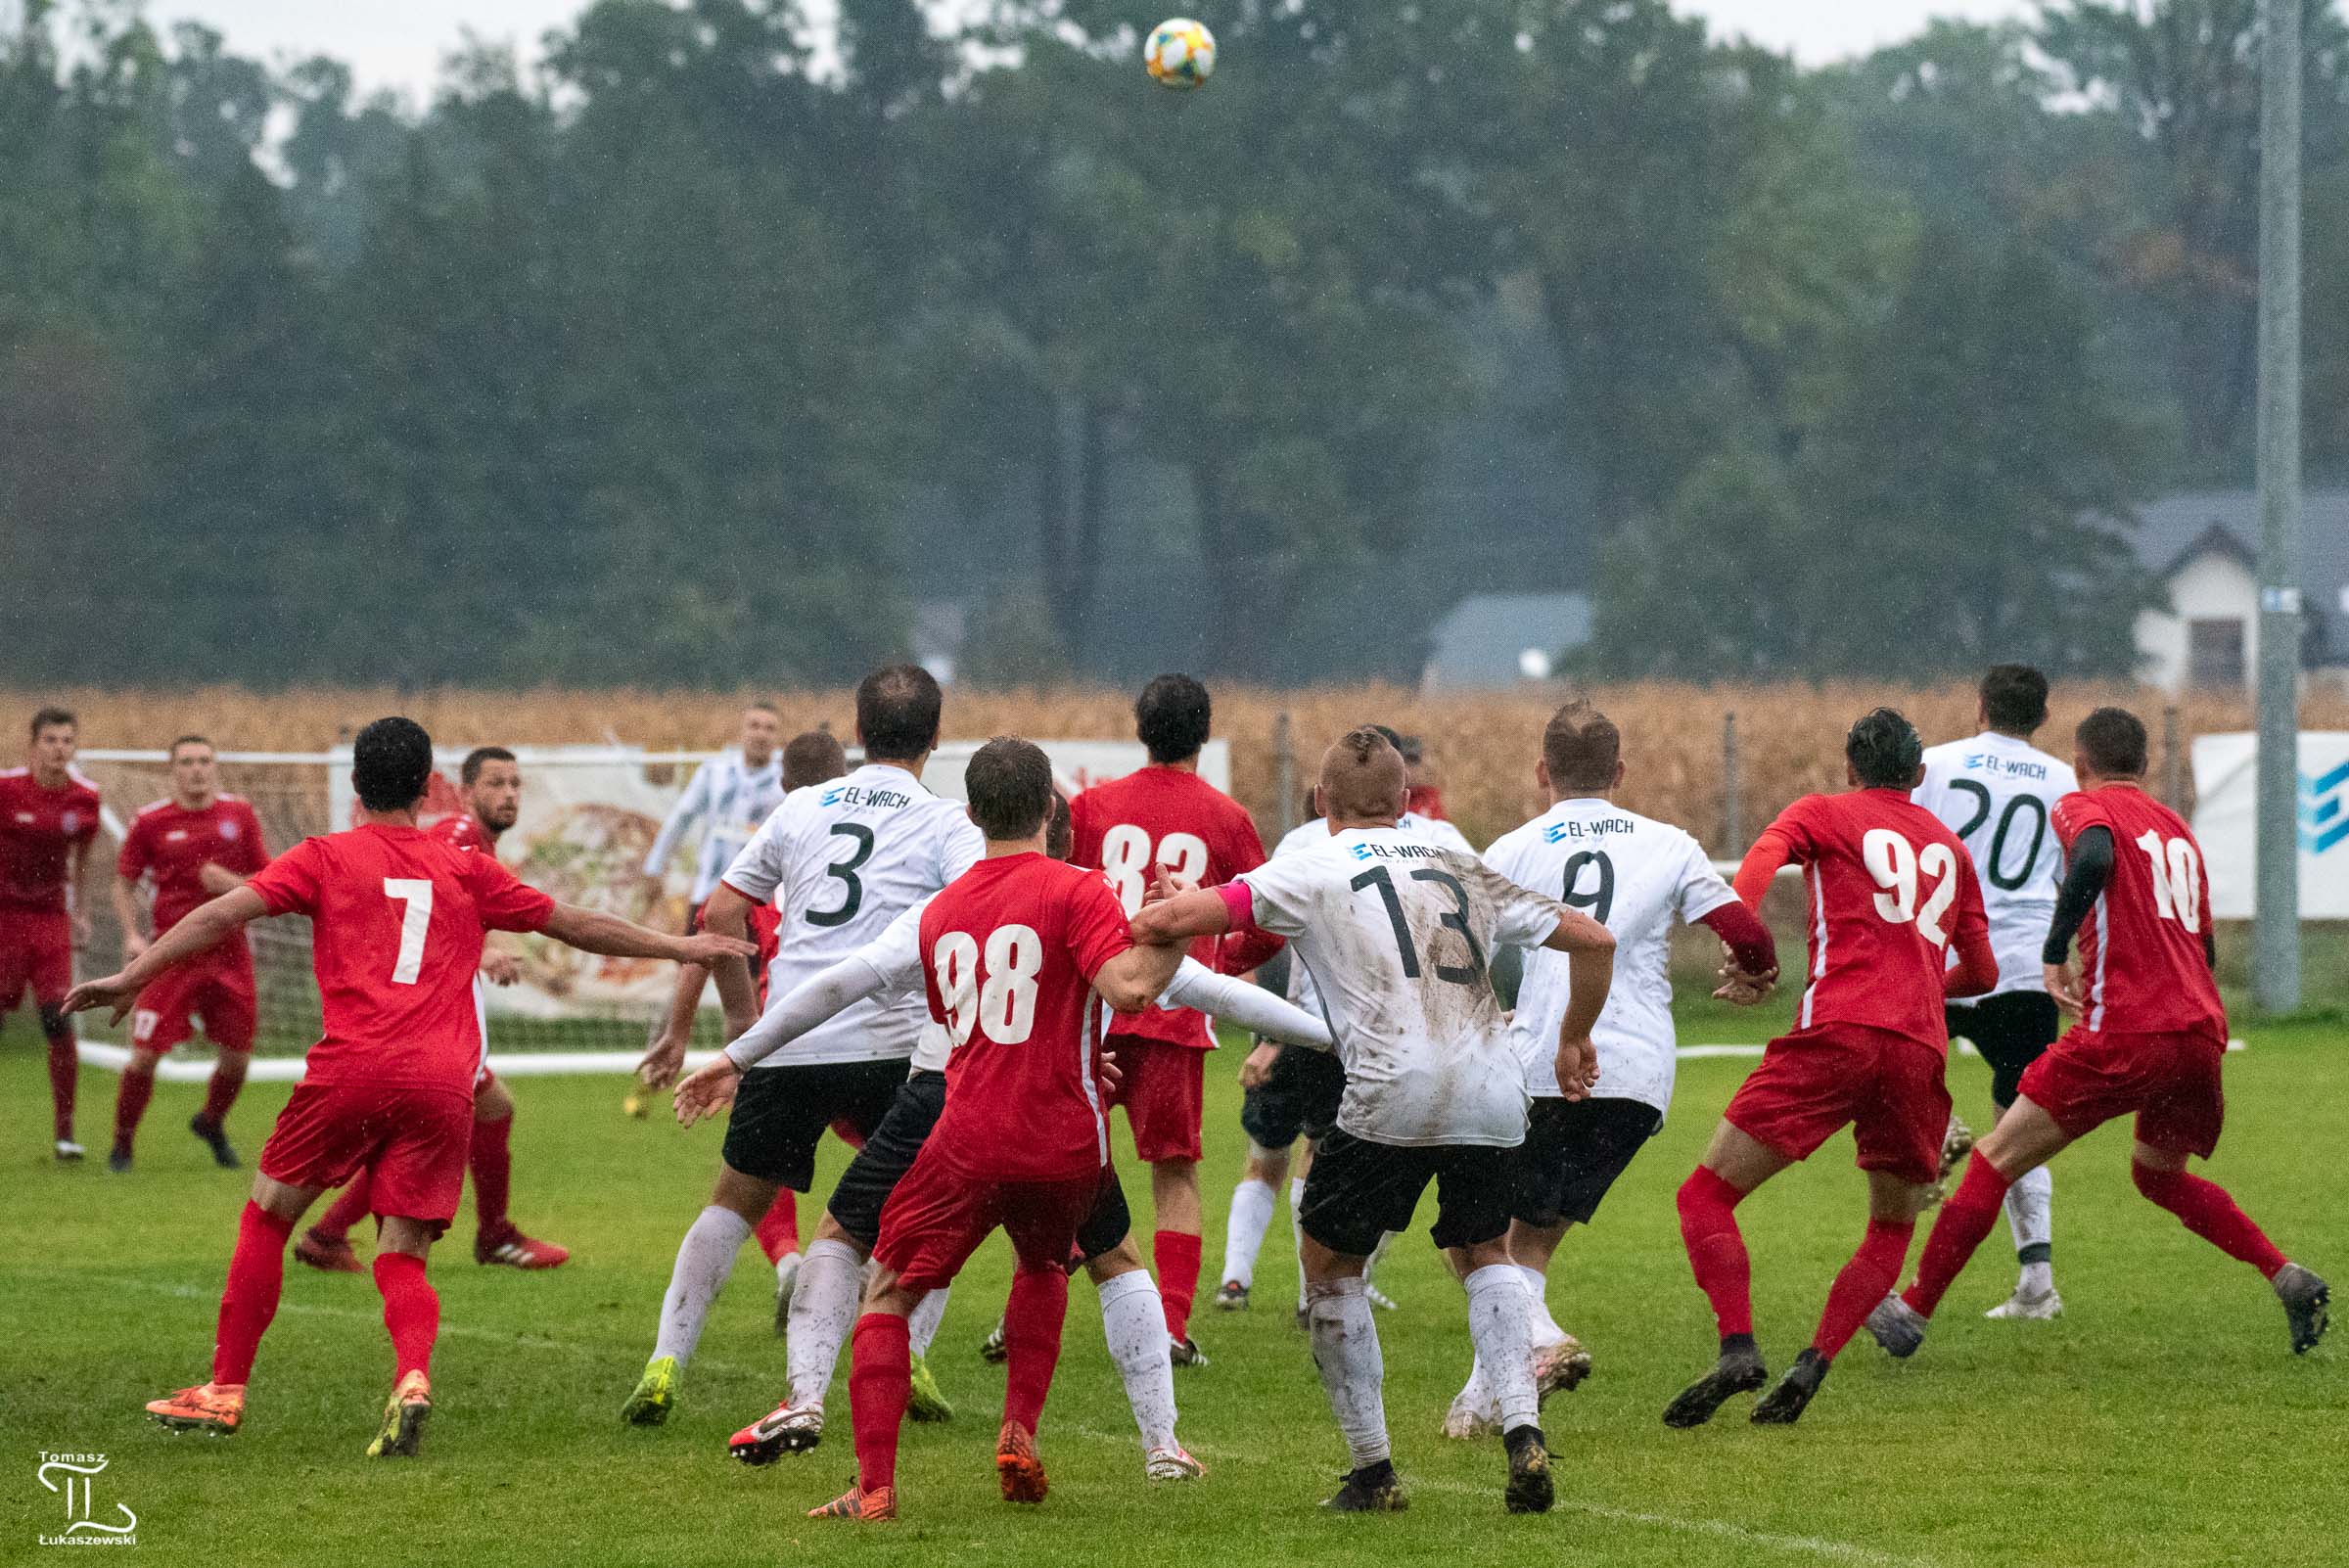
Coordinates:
<point>71,1475</point>
<point>2324,810</point>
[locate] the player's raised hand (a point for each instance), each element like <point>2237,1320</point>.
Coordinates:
<point>1576,1066</point>
<point>707,948</point>
<point>1259,1065</point>
<point>2063,983</point>
<point>111,989</point>
<point>707,1092</point>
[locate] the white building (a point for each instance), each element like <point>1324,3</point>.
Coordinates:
<point>2203,547</point>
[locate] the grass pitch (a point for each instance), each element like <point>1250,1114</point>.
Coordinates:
<point>2161,1421</point>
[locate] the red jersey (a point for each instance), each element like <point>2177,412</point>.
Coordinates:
<point>398,918</point>
<point>1009,952</point>
<point>464,831</point>
<point>2141,958</point>
<point>1166,816</point>
<point>173,845</point>
<point>38,827</point>
<point>1890,890</point>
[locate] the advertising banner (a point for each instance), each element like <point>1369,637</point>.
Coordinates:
<point>2225,787</point>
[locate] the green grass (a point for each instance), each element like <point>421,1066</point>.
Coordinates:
<point>2161,1421</point>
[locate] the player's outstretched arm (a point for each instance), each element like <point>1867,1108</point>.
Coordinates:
<point>199,931</point>
<point>1589,949</point>
<point>1252,1007</point>
<point>592,930</point>
<point>817,999</point>
<point>666,1054</point>
<point>1198,912</point>
<point>1770,852</point>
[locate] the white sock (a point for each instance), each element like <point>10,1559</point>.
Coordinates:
<point>2031,1217</point>
<point>1133,1321</point>
<point>1545,1329</point>
<point>1386,1239</point>
<point>704,1258</point>
<point>1296,1230</point>
<point>1251,1206</point>
<point>1476,1395</point>
<point>1346,1351</point>
<point>823,1308</point>
<point>1497,1321</point>
<point>928,1313</point>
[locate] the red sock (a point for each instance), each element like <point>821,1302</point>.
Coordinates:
<point>130,1103</point>
<point>1965,1219</point>
<point>778,1230</point>
<point>411,1310</point>
<point>493,1162</point>
<point>256,1272</point>
<point>1716,1250</point>
<point>64,1066</point>
<point>2205,1208</point>
<point>1873,1271</point>
<point>348,1208</point>
<point>880,1382</point>
<point>1177,1256</point>
<point>1031,1320</point>
<point>220,1091</point>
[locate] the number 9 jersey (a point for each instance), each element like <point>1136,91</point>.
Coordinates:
<point>1997,792</point>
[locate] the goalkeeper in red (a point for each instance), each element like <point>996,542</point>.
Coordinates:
<point>2150,1035</point>
<point>398,916</point>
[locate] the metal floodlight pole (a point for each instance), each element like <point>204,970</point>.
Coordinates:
<point>2276,925</point>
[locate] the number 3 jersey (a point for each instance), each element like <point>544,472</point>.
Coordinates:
<point>839,861</point>
<point>2143,964</point>
<point>1997,793</point>
<point>1634,876</point>
<point>1888,892</point>
<point>1398,935</point>
<point>397,921</point>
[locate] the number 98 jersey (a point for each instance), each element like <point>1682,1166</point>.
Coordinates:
<point>1998,794</point>
<point>839,861</point>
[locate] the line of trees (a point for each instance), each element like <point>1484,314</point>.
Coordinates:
<point>680,358</point>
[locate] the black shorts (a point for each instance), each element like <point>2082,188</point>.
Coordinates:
<point>1298,1098</point>
<point>1359,1190</point>
<point>780,1112</point>
<point>888,1153</point>
<point>2011,1031</point>
<point>1572,1152</point>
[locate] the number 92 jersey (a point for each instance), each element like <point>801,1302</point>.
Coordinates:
<point>840,860</point>
<point>1997,794</point>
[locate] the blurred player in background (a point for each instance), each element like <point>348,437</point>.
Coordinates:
<point>490,785</point>
<point>815,756</point>
<point>1397,933</point>
<point>1166,814</point>
<point>48,821</point>
<point>1426,796</point>
<point>1892,894</point>
<point>1997,792</point>
<point>194,844</point>
<point>2149,1041</point>
<point>398,918</point>
<point>729,795</point>
<point>1634,876</point>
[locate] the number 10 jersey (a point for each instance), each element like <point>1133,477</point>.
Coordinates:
<point>1997,794</point>
<point>839,861</point>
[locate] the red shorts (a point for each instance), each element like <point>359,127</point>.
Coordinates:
<point>36,953</point>
<point>412,1142</point>
<point>938,1215</point>
<point>217,989</point>
<point>2171,1082</point>
<point>1887,1088</point>
<point>1164,1092</point>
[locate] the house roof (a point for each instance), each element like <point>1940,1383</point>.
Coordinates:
<point>2177,528</point>
<point>1483,640</point>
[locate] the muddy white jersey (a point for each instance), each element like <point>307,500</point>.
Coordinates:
<point>1635,876</point>
<point>1396,934</point>
<point>1315,830</point>
<point>1995,793</point>
<point>840,860</point>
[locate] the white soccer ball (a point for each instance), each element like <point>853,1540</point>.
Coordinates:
<point>1180,53</point>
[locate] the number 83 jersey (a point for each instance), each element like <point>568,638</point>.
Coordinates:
<point>1998,794</point>
<point>839,861</point>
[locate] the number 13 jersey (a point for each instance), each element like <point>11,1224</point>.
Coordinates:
<point>839,861</point>
<point>1997,794</point>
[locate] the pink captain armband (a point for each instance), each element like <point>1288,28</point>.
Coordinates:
<point>1242,904</point>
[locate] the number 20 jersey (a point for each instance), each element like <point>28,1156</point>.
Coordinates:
<point>839,861</point>
<point>1634,876</point>
<point>1997,794</point>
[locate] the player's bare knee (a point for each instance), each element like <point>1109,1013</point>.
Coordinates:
<point>1482,1255</point>
<point>1269,1165</point>
<point>493,1103</point>
<point>142,1064</point>
<point>749,1196</point>
<point>2151,1164</point>
<point>402,1235</point>
<point>1123,1259</point>
<point>886,1294</point>
<point>1894,1199</point>
<point>289,1203</point>
<point>55,1026</point>
<point>828,1229</point>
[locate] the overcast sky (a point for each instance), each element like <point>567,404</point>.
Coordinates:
<point>399,43</point>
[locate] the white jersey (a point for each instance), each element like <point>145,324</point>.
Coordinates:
<point>1396,934</point>
<point>1995,793</point>
<point>1634,876</point>
<point>729,798</point>
<point>1316,830</point>
<point>839,861</point>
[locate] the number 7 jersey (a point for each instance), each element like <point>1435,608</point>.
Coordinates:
<point>2142,962</point>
